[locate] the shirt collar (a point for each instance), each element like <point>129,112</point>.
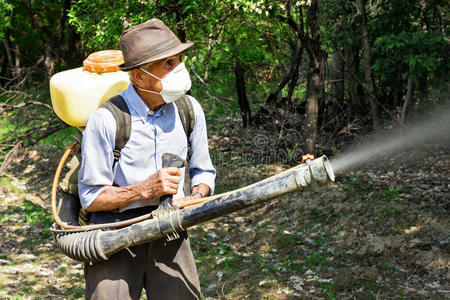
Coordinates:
<point>138,105</point>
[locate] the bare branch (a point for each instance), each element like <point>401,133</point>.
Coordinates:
<point>46,133</point>
<point>289,21</point>
<point>9,107</point>
<point>27,140</point>
<point>10,156</point>
<point>42,128</point>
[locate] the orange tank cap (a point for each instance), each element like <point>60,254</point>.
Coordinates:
<point>307,157</point>
<point>103,61</point>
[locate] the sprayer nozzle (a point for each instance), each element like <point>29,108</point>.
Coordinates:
<point>318,170</point>
<point>328,168</point>
<point>321,170</point>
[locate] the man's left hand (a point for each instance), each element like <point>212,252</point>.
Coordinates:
<point>198,192</point>
<point>185,201</point>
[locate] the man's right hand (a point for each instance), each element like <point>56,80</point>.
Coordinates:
<point>164,182</point>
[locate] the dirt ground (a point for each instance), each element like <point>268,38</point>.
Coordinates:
<point>379,232</point>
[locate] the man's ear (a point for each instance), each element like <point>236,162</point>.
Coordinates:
<point>137,76</point>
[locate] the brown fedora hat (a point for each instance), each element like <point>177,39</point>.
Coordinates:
<point>147,42</point>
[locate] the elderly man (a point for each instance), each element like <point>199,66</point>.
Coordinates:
<point>115,191</point>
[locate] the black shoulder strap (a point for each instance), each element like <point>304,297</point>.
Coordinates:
<point>119,109</point>
<point>186,113</point>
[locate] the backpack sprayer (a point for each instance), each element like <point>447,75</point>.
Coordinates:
<point>92,243</point>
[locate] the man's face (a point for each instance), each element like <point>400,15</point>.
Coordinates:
<point>161,68</point>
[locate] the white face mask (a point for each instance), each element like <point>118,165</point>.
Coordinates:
<point>174,85</point>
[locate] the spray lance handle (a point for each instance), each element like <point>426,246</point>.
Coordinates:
<point>170,160</point>
<point>165,208</point>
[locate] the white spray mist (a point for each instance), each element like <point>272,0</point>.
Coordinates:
<point>433,128</point>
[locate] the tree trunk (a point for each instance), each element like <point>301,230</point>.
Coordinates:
<point>354,88</point>
<point>71,39</point>
<point>242,95</point>
<point>56,43</point>
<point>295,72</point>
<point>408,99</point>
<point>422,87</point>
<point>297,47</point>
<point>208,57</point>
<point>315,77</point>
<point>293,83</point>
<point>68,53</point>
<point>368,66</point>
<point>179,18</point>
<point>63,20</point>
<point>396,90</point>
<point>73,56</point>
<point>8,54</point>
<point>291,77</point>
<point>314,95</point>
<point>273,97</point>
<point>337,78</point>
<point>17,65</point>
<point>3,70</point>
<point>49,62</point>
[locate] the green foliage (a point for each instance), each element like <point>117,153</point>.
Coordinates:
<point>5,181</point>
<point>329,290</point>
<point>226,33</point>
<point>36,215</point>
<point>418,51</point>
<point>5,11</point>
<point>408,40</point>
<point>393,193</point>
<point>100,23</point>
<point>355,187</point>
<point>5,127</point>
<point>61,139</point>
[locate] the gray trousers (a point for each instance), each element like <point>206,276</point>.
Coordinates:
<point>165,269</point>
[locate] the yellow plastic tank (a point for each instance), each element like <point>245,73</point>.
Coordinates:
<point>77,93</point>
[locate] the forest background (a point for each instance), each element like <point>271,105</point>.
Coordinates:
<point>276,79</point>
<point>318,73</point>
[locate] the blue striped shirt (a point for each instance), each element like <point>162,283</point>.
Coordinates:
<point>152,135</point>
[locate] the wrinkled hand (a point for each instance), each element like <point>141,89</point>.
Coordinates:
<point>163,182</point>
<point>182,202</point>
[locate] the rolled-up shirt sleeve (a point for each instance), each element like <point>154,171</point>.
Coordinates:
<point>96,170</point>
<point>201,169</point>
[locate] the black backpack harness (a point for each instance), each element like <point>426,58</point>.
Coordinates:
<point>121,113</point>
